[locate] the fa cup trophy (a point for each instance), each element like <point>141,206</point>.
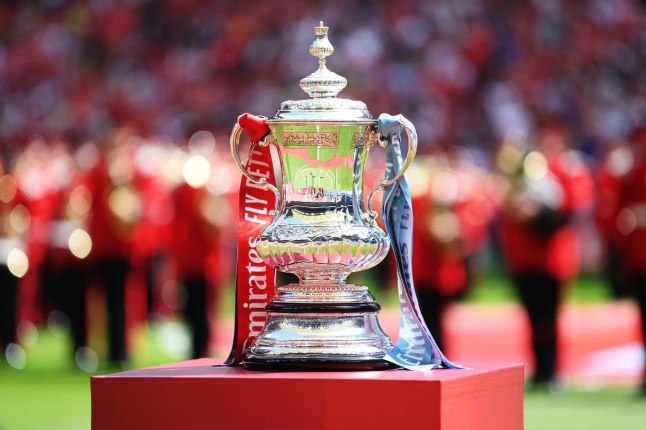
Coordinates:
<point>321,229</point>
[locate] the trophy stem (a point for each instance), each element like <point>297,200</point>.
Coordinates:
<point>323,293</point>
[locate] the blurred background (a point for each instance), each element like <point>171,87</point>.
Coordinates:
<point>118,193</point>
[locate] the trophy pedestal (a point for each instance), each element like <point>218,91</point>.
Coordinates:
<point>320,336</point>
<point>195,394</point>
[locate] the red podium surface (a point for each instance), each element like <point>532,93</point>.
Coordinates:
<point>199,394</point>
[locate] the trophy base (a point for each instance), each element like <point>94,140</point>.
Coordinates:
<point>320,336</point>
<point>287,365</point>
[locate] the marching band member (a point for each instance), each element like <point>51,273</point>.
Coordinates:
<point>115,211</point>
<point>64,268</point>
<point>201,212</point>
<point>546,189</point>
<point>150,235</point>
<point>453,211</point>
<point>611,174</point>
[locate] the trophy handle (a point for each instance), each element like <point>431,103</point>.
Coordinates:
<point>235,143</point>
<point>412,149</point>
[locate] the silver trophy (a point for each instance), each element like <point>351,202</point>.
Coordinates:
<point>322,230</point>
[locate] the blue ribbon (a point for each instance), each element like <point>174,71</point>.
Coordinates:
<point>415,349</point>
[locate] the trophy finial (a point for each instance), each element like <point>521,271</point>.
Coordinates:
<point>323,82</point>
<point>321,47</point>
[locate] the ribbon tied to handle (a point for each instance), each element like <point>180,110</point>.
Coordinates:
<point>415,349</point>
<point>255,281</point>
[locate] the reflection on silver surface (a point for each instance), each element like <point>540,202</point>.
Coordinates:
<point>316,337</point>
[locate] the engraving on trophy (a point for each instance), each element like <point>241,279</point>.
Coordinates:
<point>292,138</point>
<point>359,138</point>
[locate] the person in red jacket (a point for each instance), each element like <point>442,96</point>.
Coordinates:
<point>64,268</point>
<point>150,234</point>
<point>452,211</point>
<point>613,170</point>
<point>115,211</point>
<point>631,223</point>
<point>200,213</point>
<point>546,190</point>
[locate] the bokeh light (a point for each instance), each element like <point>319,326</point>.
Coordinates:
<point>445,187</point>
<point>125,203</point>
<point>197,171</point>
<point>80,202</point>
<point>17,262</point>
<point>80,243</point>
<point>8,188</point>
<point>87,359</point>
<point>16,356</point>
<point>20,219</point>
<point>535,166</point>
<point>202,143</point>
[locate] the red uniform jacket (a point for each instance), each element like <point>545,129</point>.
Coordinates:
<point>114,215</point>
<point>436,266</point>
<point>531,246</point>
<point>193,238</point>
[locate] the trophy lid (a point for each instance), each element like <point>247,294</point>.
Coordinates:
<point>322,86</point>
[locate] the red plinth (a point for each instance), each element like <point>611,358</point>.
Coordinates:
<point>198,394</point>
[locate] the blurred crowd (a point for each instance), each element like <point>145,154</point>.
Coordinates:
<point>463,71</point>
<point>530,116</point>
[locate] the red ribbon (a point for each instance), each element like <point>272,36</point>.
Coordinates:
<point>255,281</point>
